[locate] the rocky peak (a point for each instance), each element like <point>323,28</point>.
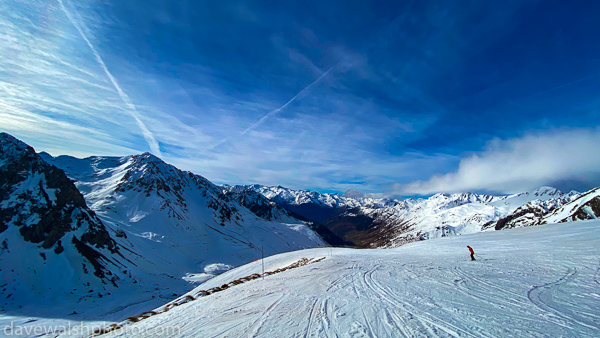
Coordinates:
<point>45,206</point>
<point>150,175</point>
<point>11,148</point>
<point>255,202</point>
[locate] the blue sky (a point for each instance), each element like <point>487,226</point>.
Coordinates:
<point>402,97</point>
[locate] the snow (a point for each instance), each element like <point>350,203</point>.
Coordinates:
<point>566,211</point>
<point>197,277</point>
<point>535,281</point>
<point>210,271</point>
<point>217,268</point>
<point>589,212</point>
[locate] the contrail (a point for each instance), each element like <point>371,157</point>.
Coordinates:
<point>132,110</point>
<point>551,89</point>
<point>272,112</point>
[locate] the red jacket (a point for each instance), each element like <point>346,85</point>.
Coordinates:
<point>470,249</point>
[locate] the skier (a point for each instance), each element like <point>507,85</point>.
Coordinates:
<point>472,253</point>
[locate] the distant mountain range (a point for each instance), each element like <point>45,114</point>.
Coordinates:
<point>383,222</point>
<point>77,230</point>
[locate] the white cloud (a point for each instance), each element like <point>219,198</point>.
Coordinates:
<point>521,164</point>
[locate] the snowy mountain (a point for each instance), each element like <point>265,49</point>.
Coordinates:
<point>520,286</point>
<point>271,211</point>
<point>133,229</point>
<point>52,244</point>
<point>444,215</point>
<point>584,207</point>
<point>156,206</point>
<point>260,205</point>
<point>566,208</point>
<point>315,206</point>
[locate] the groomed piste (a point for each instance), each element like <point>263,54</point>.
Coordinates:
<point>535,281</point>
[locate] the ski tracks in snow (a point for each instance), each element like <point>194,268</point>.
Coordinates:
<point>597,274</point>
<point>391,316</point>
<point>484,291</point>
<point>425,322</point>
<point>260,322</point>
<point>394,321</point>
<point>310,318</point>
<point>545,298</point>
<point>320,322</point>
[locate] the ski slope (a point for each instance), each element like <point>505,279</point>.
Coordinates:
<point>528,282</point>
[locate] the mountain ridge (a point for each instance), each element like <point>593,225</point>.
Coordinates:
<point>162,229</point>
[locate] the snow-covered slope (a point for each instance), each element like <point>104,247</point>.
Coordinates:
<point>428,288</point>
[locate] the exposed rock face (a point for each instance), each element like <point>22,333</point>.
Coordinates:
<point>589,210</point>
<point>45,206</point>
<point>530,214</point>
<point>255,202</point>
<point>584,207</point>
<point>527,215</point>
